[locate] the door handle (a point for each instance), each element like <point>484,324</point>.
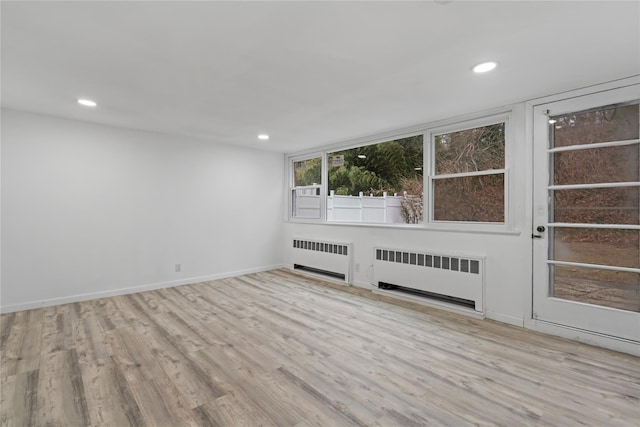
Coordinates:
<point>539,229</point>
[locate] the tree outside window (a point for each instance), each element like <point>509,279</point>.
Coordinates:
<point>390,168</point>
<point>469,178</point>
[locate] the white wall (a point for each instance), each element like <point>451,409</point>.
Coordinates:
<point>508,253</point>
<point>91,210</point>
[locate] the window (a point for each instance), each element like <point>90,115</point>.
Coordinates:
<point>468,180</point>
<point>306,187</point>
<point>378,183</point>
<point>464,173</point>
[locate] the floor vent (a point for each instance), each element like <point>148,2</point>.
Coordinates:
<point>451,278</point>
<point>331,259</point>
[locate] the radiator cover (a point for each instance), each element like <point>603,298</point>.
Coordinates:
<point>330,258</point>
<point>458,276</point>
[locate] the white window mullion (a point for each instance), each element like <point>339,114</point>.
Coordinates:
<point>475,173</point>
<point>597,266</point>
<point>592,146</point>
<point>598,185</point>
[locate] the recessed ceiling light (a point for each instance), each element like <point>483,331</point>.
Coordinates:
<point>87,102</point>
<point>552,121</point>
<point>263,136</point>
<point>485,66</point>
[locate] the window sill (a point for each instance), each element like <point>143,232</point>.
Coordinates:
<point>500,229</point>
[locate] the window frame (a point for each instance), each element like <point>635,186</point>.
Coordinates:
<point>429,131</point>
<point>432,176</point>
<point>291,186</point>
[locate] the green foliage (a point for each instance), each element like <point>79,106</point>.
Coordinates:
<point>354,179</point>
<point>308,172</point>
<point>381,167</point>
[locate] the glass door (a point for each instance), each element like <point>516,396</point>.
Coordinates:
<point>586,237</point>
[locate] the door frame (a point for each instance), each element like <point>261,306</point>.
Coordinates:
<point>541,325</point>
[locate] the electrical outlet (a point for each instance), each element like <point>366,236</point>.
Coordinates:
<point>178,268</point>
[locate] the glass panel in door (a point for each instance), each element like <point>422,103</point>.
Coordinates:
<point>600,156</point>
<point>587,213</point>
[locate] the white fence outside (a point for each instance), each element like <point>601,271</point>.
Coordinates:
<point>306,202</point>
<point>383,209</point>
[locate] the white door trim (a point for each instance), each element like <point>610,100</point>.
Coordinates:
<point>529,321</point>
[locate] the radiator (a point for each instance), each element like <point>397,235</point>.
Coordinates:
<point>454,278</point>
<point>331,259</point>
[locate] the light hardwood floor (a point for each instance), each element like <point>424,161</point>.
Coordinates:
<point>278,348</point>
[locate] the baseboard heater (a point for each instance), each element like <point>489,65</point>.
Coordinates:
<point>333,274</point>
<point>451,278</point>
<point>438,297</point>
<point>327,258</point>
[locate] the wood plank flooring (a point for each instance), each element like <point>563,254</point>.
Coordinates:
<point>282,349</point>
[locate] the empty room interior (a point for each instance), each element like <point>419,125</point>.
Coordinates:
<point>331,213</point>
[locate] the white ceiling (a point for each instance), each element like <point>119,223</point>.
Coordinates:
<point>307,73</point>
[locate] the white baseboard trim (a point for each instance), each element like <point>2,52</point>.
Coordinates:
<point>585,337</point>
<point>505,318</point>
<point>130,290</point>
